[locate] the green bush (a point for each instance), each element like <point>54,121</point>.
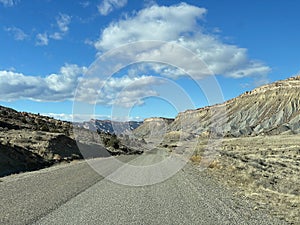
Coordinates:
<point>114,142</point>
<point>44,127</point>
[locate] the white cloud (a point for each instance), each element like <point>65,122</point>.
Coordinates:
<point>84,4</point>
<point>75,117</point>
<point>225,59</point>
<point>42,39</point>
<point>17,33</point>
<point>59,116</point>
<point>66,80</point>
<point>107,6</point>
<point>88,117</point>
<point>124,91</point>
<point>154,23</point>
<point>56,36</point>
<point>180,24</point>
<point>9,3</point>
<point>54,87</point>
<point>63,20</point>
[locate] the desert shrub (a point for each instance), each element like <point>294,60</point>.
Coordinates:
<point>4,113</point>
<point>196,159</point>
<point>44,127</point>
<point>214,164</point>
<point>113,142</point>
<point>105,140</point>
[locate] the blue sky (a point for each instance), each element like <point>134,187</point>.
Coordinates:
<point>48,46</point>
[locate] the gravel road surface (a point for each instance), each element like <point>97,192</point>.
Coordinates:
<point>76,194</point>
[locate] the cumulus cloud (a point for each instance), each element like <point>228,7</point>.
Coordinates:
<point>9,3</point>
<point>154,23</point>
<point>107,6</point>
<point>17,33</point>
<point>59,116</point>
<point>54,87</point>
<point>176,25</point>
<point>63,21</point>
<point>124,91</point>
<point>180,24</point>
<point>56,36</point>
<point>42,39</point>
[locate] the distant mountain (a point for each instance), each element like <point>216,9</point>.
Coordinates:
<point>267,110</point>
<point>108,126</point>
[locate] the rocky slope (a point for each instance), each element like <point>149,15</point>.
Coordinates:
<point>17,159</point>
<point>155,126</point>
<point>31,141</point>
<point>271,109</point>
<point>11,119</point>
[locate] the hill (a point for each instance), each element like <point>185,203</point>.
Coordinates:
<point>268,110</point>
<point>31,141</point>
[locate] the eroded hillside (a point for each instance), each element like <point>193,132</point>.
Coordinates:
<point>270,109</point>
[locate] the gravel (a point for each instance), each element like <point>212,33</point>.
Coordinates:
<point>76,194</point>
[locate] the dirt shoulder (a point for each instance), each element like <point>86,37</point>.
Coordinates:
<point>265,169</point>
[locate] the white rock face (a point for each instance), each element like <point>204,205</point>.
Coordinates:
<point>155,127</point>
<point>269,109</point>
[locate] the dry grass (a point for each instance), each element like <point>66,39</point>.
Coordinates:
<point>264,169</point>
<point>196,159</point>
<point>214,164</point>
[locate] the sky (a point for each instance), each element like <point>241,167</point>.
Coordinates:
<point>130,60</point>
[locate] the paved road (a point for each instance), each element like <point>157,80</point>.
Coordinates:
<point>76,194</point>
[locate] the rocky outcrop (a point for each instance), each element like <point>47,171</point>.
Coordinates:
<point>268,110</point>
<point>31,141</point>
<point>155,126</point>
<point>25,150</point>
<point>15,159</point>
